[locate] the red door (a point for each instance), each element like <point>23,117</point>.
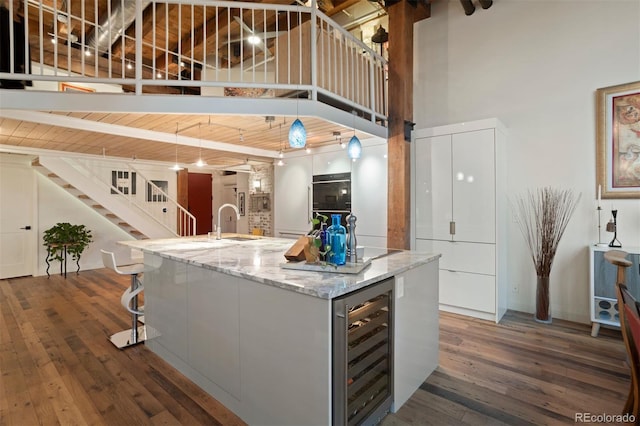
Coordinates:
<point>199,201</point>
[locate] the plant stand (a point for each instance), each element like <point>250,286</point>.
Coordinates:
<point>63,262</point>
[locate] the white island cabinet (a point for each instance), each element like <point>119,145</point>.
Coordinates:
<point>259,338</point>
<point>458,184</point>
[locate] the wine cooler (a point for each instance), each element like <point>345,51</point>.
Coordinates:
<point>362,355</point>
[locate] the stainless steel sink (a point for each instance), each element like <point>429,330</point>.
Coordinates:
<point>240,238</point>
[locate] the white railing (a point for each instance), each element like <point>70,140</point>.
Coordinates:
<point>153,202</point>
<point>143,46</point>
<point>185,222</point>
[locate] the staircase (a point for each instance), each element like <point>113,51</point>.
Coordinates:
<point>121,209</point>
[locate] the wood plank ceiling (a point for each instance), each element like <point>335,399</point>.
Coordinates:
<point>247,131</point>
<point>254,132</point>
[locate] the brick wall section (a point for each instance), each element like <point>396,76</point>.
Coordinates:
<point>259,218</point>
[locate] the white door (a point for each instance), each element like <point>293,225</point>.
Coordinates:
<point>292,197</point>
<point>369,195</point>
<point>433,187</point>
<point>473,176</point>
<point>16,220</point>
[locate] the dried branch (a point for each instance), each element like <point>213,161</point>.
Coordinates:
<point>543,216</point>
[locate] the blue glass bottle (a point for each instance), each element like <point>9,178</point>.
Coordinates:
<point>337,240</point>
<point>324,239</point>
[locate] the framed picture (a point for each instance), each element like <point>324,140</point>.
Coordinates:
<point>618,140</point>
<point>126,184</point>
<point>241,203</point>
<point>68,87</point>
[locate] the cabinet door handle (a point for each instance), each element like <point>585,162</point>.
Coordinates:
<point>452,228</point>
<point>308,204</point>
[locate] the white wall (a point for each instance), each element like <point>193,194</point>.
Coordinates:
<point>53,204</point>
<point>535,65</point>
<point>57,205</point>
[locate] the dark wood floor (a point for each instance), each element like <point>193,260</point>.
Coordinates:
<point>57,366</point>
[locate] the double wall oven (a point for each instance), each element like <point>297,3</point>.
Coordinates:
<point>332,194</point>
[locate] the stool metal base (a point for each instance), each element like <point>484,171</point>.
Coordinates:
<point>125,338</point>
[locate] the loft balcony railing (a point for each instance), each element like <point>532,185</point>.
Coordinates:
<point>197,47</point>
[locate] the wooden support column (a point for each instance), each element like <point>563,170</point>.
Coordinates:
<point>182,179</point>
<point>401,18</point>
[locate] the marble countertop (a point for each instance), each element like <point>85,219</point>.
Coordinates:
<point>259,259</point>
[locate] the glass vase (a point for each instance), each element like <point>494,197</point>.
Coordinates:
<point>542,301</point>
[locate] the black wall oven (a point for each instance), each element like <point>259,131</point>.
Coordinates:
<point>332,194</point>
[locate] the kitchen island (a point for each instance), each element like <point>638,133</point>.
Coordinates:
<point>259,337</point>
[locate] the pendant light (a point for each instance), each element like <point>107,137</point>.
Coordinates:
<point>280,154</point>
<point>380,37</point>
<point>176,167</point>
<point>200,162</point>
<point>354,147</point>
<point>297,132</point>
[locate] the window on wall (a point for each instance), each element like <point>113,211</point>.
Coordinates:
<point>124,181</point>
<point>157,191</point>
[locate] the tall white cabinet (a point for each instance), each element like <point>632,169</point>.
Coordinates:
<point>292,197</point>
<point>459,210</point>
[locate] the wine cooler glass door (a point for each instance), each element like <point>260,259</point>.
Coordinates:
<point>362,359</point>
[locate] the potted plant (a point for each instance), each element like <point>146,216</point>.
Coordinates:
<point>75,238</point>
<point>542,216</point>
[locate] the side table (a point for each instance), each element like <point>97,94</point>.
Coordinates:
<point>602,293</point>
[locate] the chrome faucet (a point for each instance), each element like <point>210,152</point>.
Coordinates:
<point>219,230</point>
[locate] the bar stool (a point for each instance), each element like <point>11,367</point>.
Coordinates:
<point>618,258</point>
<point>129,301</point>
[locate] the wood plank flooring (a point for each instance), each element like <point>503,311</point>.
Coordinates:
<point>57,367</point>
<point>519,372</point>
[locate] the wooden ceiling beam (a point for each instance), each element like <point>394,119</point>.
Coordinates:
<point>422,11</point>
<point>339,6</point>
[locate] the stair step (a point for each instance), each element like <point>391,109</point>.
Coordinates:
<point>36,163</point>
<point>124,224</point>
<point>97,206</point>
<point>135,232</point>
<point>84,197</point>
<point>111,215</point>
<point>52,175</point>
<point>68,186</point>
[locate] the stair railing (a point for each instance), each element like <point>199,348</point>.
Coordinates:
<point>165,211</point>
<point>185,221</point>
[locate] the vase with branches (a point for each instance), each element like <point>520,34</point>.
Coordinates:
<point>543,216</point>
